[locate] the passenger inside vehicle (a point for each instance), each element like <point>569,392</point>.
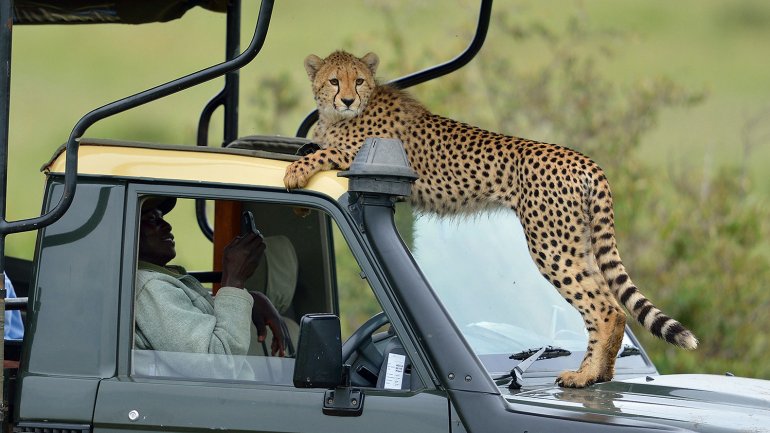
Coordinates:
<point>175,313</point>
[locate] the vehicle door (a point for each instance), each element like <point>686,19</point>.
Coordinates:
<point>317,251</point>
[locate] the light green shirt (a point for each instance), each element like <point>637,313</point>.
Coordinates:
<point>175,313</point>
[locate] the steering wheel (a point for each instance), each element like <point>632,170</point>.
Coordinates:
<point>365,368</point>
<point>363,335</point>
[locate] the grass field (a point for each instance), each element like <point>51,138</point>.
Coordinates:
<point>62,72</point>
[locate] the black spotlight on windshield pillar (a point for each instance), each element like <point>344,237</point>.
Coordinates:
<point>381,167</point>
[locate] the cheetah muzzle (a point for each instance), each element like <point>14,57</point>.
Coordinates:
<point>562,197</point>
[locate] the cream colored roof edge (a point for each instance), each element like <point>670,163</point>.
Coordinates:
<point>188,163</point>
<point>148,145</point>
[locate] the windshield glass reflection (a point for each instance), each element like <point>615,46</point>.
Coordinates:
<point>481,269</point>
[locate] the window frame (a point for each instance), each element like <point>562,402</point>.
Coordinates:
<point>350,232</point>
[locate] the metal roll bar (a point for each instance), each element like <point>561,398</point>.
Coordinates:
<point>226,98</point>
<point>70,173</point>
<point>6,32</point>
<point>434,72</point>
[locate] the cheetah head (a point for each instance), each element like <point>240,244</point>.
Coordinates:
<point>342,83</point>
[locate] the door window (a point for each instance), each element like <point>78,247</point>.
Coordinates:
<point>189,323</point>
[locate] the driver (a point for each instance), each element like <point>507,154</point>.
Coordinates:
<point>175,313</point>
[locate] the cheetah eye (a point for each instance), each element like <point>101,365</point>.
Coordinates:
<point>359,81</point>
<point>334,82</point>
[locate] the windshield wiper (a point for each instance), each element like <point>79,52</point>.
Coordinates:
<point>629,350</point>
<point>548,353</point>
<point>529,357</point>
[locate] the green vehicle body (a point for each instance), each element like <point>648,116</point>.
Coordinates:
<point>76,365</point>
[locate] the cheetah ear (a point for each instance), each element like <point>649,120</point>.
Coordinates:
<point>372,61</point>
<point>312,64</point>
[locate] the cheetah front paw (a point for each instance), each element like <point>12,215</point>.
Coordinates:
<point>297,175</point>
<point>575,379</point>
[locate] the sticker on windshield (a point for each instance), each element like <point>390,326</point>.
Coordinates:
<point>395,371</point>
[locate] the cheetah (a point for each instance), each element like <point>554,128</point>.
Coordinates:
<point>561,197</point>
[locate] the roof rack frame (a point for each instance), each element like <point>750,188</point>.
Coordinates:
<point>6,34</point>
<point>228,98</point>
<point>116,107</point>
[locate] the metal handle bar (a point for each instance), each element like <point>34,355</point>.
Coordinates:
<point>70,172</point>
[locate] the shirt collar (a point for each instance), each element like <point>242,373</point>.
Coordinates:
<point>170,270</point>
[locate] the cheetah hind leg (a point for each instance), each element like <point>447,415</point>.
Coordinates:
<point>615,321</point>
<point>605,322</point>
<point>599,362</point>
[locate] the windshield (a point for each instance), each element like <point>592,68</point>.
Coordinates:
<point>480,268</point>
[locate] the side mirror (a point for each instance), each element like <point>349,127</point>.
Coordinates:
<point>319,352</point>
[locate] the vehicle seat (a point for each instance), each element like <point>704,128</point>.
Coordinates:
<point>276,277</point>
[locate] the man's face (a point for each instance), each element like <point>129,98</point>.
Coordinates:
<point>156,243</point>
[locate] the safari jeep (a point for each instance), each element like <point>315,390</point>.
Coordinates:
<point>460,332</point>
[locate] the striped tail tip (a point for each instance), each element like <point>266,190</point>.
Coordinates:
<point>686,340</point>
<point>673,332</point>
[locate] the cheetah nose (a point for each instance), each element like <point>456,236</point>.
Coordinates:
<point>348,102</point>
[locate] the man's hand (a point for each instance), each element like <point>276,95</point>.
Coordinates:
<point>241,257</point>
<point>264,313</point>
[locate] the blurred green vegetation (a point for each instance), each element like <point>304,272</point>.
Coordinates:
<point>671,98</point>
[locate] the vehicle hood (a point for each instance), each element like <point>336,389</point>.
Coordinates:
<point>698,402</point>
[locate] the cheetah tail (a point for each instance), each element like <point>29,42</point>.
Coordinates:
<point>642,309</point>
